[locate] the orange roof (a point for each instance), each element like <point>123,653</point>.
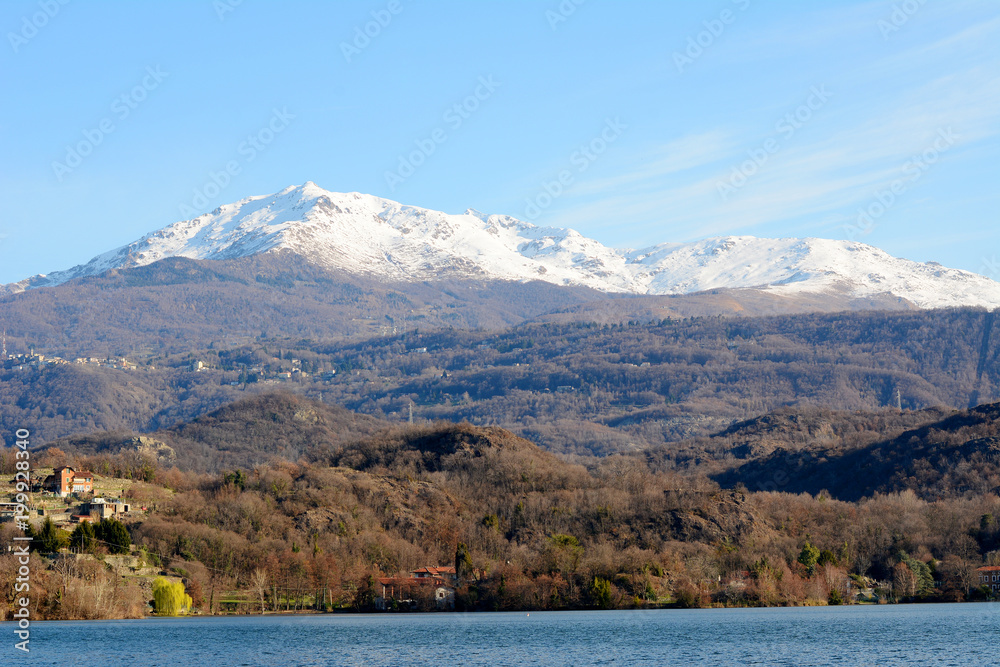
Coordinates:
<point>411,581</point>
<point>435,570</point>
<point>989,568</point>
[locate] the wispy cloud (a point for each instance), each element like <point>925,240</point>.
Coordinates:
<point>681,155</point>
<point>860,145</point>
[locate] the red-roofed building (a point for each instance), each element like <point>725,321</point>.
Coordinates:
<point>65,481</point>
<point>446,573</point>
<point>427,582</point>
<point>989,576</point>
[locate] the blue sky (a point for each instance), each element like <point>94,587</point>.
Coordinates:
<point>664,121</point>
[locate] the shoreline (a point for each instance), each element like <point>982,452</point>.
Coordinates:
<point>510,612</point>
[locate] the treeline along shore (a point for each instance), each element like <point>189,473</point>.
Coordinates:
<point>453,516</point>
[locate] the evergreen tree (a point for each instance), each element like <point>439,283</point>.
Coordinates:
<point>237,478</point>
<point>82,539</point>
<point>114,535</point>
<point>809,556</point>
<point>922,573</point>
<point>47,540</point>
<point>463,561</point>
<point>600,593</point>
<point>826,557</point>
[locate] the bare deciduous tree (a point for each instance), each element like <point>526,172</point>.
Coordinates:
<point>259,583</point>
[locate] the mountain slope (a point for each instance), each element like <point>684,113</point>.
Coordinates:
<point>627,387</point>
<point>367,236</point>
<point>954,455</point>
<point>248,432</point>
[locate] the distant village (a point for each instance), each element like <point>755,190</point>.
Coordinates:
<point>23,361</point>
<point>257,373</point>
<point>31,360</point>
<point>273,371</point>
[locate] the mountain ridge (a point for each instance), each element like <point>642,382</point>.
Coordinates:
<point>377,238</point>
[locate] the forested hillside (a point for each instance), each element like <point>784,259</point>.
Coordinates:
<point>244,434</point>
<point>579,388</point>
<point>526,529</point>
<point>63,399</point>
<point>954,456</point>
<point>935,453</point>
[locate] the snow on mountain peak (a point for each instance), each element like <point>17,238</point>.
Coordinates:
<point>368,235</point>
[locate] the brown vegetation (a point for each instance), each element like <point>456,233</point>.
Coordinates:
<point>541,533</point>
<point>581,389</point>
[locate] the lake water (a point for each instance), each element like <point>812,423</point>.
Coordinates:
<point>953,634</point>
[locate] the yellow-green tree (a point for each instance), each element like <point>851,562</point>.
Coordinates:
<point>169,598</point>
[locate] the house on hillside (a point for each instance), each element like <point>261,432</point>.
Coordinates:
<point>104,508</point>
<point>989,576</point>
<point>64,481</point>
<point>427,583</point>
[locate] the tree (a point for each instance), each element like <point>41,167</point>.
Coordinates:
<point>364,597</point>
<point>193,588</point>
<point>826,557</point>
<point>48,540</point>
<point>237,478</point>
<point>923,578</point>
<point>259,583</point>
<point>904,582</point>
<point>965,563</point>
<point>82,539</point>
<point>564,552</point>
<point>463,561</point>
<point>809,556</point>
<point>114,535</point>
<point>169,598</point>
<point>600,593</point>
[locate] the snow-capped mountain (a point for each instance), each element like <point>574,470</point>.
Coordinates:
<point>366,235</point>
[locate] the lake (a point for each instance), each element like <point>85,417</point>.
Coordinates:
<point>945,634</point>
